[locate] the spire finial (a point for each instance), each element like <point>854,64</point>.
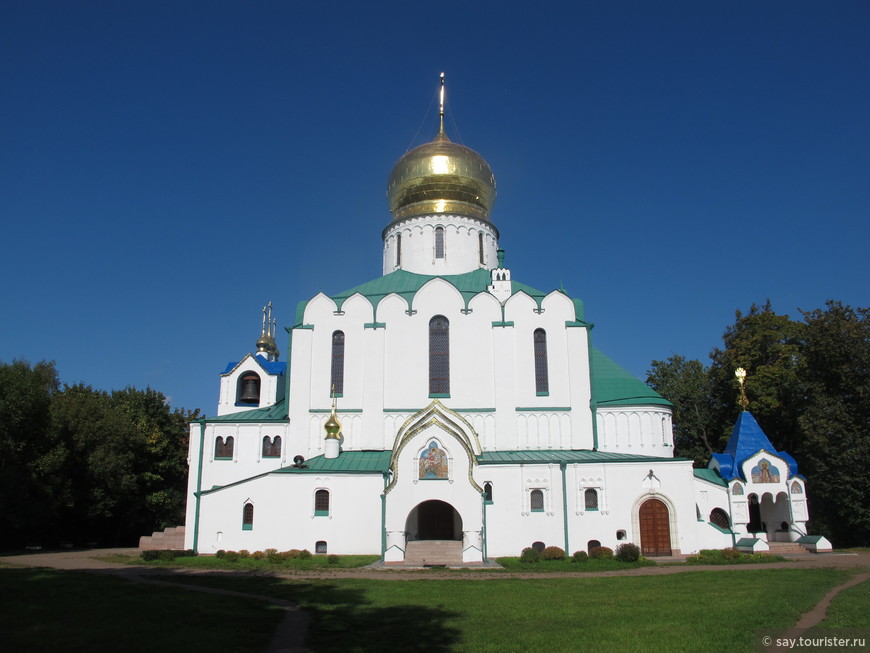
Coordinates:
<point>441,107</point>
<point>263,331</point>
<point>740,373</point>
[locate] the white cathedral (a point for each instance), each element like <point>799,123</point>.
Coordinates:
<point>445,413</point>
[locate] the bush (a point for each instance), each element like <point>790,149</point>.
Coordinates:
<point>258,555</point>
<point>293,553</point>
<point>332,559</point>
<point>600,553</point>
<point>166,555</point>
<point>529,555</point>
<point>232,556</point>
<point>627,552</point>
<point>731,554</point>
<point>580,556</point>
<point>220,553</point>
<point>553,553</point>
<point>304,554</point>
<point>244,553</point>
<point>273,556</point>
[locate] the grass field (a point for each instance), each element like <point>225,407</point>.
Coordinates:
<point>694,611</point>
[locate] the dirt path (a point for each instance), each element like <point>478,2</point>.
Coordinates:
<point>290,635</point>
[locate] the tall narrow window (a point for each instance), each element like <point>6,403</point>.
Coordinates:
<point>439,242</point>
<point>542,376</point>
<point>439,356</point>
<point>272,447</point>
<point>591,499</point>
<point>337,385</point>
<point>487,492</point>
<point>398,250</point>
<point>248,517</point>
<point>321,503</point>
<point>480,246</point>
<point>536,500</point>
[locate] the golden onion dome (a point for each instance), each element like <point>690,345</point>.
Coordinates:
<point>441,177</point>
<point>332,427</point>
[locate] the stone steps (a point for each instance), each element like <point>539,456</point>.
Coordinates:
<point>169,539</point>
<point>785,548</point>
<point>433,552</point>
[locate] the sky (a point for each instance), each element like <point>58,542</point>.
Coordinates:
<point>169,167</point>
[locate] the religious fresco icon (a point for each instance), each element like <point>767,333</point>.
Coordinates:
<point>764,472</point>
<point>433,462</point>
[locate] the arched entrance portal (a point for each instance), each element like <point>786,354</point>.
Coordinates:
<point>434,520</point>
<point>655,528</point>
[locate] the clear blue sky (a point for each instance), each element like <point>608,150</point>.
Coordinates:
<point>168,167</point>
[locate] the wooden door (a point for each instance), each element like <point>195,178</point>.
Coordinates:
<point>655,529</point>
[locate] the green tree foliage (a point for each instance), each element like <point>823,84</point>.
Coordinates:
<point>685,383</point>
<point>809,388</point>
<point>89,466</point>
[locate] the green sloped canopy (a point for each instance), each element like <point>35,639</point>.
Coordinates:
<point>613,385</point>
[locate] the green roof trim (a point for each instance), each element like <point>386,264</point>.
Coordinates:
<point>348,462</point>
<point>809,539</point>
<point>613,385</point>
<point>711,476</point>
<point>566,456</point>
<point>275,413</point>
<point>727,531</point>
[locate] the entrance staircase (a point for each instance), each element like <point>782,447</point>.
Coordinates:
<point>433,552</point>
<point>171,539</point>
<point>786,548</point>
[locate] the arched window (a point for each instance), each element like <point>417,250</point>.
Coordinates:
<point>591,498</point>
<point>320,546</point>
<point>439,356</point>
<point>542,376</point>
<point>539,546</point>
<point>796,488</point>
<point>272,447</point>
<point>536,501</point>
<point>337,384</point>
<point>223,448</point>
<point>248,389</point>
<point>398,250</point>
<point>480,246</point>
<point>620,535</point>
<point>737,490</point>
<point>439,242</point>
<point>248,517</point>
<point>720,518</point>
<point>591,544</point>
<point>321,503</point>
<point>487,492</point>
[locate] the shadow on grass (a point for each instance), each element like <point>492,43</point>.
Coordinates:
<point>343,618</point>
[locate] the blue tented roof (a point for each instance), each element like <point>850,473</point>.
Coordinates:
<point>746,440</point>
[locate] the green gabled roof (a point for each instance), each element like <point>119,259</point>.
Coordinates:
<point>613,385</point>
<point>711,476</point>
<point>578,456</point>
<point>406,284</point>
<point>348,462</point>
<point>275,413</point>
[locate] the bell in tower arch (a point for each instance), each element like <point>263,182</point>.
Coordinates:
<point>249,389</point>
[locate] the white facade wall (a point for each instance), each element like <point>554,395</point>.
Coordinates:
<point>640,430</point>
<point>461,245</point>
<point>708,497</point>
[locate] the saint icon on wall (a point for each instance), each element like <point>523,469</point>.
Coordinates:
<point>764,472</point>
<point>433,462</point>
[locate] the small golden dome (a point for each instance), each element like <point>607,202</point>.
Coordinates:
<point>441,177</point>
<point>332,427</point>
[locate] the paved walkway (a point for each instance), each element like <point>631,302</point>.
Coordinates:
<point>290,634</point>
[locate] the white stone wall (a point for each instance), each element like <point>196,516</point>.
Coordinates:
<point>271,387</point>
<point>640,430</point>
<point>461,245</point>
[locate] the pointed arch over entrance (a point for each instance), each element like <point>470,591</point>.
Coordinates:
<point>434,520</point>
<point>655,528</point>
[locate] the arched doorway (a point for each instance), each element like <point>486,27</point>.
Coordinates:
<point>655,528</point>
<point>434,520</point>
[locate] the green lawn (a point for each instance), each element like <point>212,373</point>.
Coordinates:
<point>850,608</point>
<point>693,611</point>
<point>51,611</point>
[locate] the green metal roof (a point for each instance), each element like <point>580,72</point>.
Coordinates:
<point>275,413</point>
<point>613,385</point>
<point>572,456</point>
<point>711,476</point>
<point>348,462</point>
